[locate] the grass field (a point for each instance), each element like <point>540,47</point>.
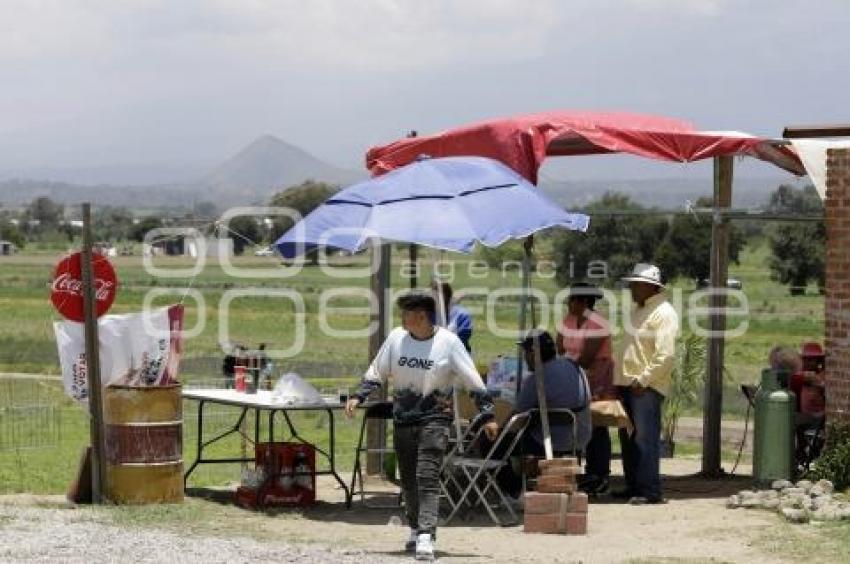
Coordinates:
<point>41,433</point>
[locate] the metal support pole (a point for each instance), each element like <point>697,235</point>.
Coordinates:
<point>539,375</point>
<point>442,320</point>
<point>376,430</point>
<point>523,307</point>
<point>98,450</point>
<point>713,406</point>
<point>414,265</point>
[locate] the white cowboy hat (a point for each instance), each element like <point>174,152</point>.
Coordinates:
<point>643,272</point>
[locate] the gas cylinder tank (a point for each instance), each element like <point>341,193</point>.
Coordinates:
<point>773,447</point>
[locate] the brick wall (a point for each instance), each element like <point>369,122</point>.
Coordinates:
<point>838,284</point>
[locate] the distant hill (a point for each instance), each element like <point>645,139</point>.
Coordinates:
<point>251,176</point>
<point>268,164</point>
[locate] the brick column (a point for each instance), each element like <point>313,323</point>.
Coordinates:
<point>838,285</point>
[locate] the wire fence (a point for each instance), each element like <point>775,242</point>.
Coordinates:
<point>35,413</point>
<point>31,413</point>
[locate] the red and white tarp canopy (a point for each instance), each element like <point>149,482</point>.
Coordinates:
<point>523,142</point>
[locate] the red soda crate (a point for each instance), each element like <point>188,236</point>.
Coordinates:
<point>290,473</point>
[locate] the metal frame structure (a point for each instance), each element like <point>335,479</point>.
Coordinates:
<point>722,201</point>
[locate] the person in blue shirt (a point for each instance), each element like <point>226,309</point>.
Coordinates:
<point>458,318</point>
<point>565,385</point>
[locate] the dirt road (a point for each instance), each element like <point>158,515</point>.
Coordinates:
<point>693,527</point>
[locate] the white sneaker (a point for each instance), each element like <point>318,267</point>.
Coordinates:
<point>424,547</point>
<point>410,545</point>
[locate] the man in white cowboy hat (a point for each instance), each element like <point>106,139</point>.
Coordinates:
<point>643,371</point>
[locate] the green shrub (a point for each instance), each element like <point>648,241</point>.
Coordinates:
<point>834,462</point>
<point>687,380</point>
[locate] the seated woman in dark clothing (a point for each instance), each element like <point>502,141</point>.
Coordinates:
<point>565,385</point>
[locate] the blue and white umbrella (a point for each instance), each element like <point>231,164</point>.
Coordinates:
<point>447,203</point>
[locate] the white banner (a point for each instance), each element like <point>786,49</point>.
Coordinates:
<point>138,349</point>
<point>813,154</point>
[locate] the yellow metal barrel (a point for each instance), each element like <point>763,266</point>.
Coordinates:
<point>144,444</point>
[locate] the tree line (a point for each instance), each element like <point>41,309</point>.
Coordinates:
<point>622,232</point>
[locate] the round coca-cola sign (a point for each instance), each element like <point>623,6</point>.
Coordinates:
<point>66,292</point>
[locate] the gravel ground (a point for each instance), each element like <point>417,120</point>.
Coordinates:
<point>694,527</point>
<point>31,534</point>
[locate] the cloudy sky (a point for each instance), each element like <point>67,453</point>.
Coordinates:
<point>181,84</point>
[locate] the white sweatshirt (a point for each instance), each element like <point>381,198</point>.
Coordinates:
<point>424,374</point>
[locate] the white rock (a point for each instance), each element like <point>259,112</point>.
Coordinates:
<point>806,485</point>
<point>823,501</point>
<point>769,494</point>
<point>733,502</point>
<point>794,491</point>
<point>795,515</point>
<point>771,504</point>
<point>751,503</point>
<point>781,484</point>
<point>825,485</point>
<point>794,499</point>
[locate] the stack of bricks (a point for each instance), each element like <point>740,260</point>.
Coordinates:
<point>838,285</point>
<point>556,507</point>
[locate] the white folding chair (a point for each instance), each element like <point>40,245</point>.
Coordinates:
<point>479,474</point>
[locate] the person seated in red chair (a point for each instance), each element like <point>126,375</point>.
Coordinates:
<point>808,384</point>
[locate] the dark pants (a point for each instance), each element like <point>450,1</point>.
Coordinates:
<point>598,453</point>
<point>641,451</point>
<point>420,450</point>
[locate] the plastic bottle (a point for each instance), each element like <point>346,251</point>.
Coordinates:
<point>303,473</point>
<point>239,380</point>
<point>268,372</point>
<point>495,373</point>
<point>287,477</point>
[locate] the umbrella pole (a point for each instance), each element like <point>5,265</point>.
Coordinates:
<point>442,321</point>
<point>539,376</point>
<point>523,307</point>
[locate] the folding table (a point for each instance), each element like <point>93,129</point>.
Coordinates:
<point>261,401</point>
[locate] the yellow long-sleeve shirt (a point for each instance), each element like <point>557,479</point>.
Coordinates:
<point>648,350</point>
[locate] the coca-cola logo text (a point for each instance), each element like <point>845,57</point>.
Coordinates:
<point>67,284</point>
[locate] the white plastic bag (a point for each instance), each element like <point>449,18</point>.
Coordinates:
<point>292,389</point>
<point>139,349</point>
